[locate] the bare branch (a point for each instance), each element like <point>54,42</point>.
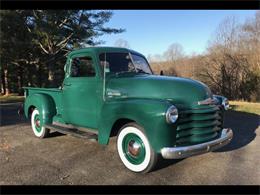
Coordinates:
<point>65,40</point>
<point>45,51</point>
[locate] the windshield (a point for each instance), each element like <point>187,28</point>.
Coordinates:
<point>141,64</point>
<point>124,62</point>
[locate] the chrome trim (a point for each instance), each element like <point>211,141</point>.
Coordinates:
<point>134,148</point>
<point>208,101</point>
<point>187,151</point>
<point>113,93</point>
<point>225,103</point>
<point>168,112</point>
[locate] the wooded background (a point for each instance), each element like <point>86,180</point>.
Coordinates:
<point>231,64</point>
<point>34,44</point>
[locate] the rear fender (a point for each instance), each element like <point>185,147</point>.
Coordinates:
<point>44,103</point>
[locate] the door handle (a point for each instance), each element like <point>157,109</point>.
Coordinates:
<point>67,84</point>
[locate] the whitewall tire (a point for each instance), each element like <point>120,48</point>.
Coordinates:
<point>36,122</point>
<point>134,149</point>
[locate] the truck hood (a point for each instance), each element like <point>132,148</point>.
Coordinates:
<point>178,90</point>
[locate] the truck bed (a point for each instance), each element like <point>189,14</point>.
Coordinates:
<point>42,89</point>
<point>55,93</point>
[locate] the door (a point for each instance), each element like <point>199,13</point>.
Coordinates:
<point>80,92</point>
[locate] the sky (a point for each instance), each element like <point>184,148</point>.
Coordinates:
<point>152,31</point>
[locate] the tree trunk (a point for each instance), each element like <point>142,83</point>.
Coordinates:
<point>50,77</point>
<point>40,72</point>
<point>51,71</point>
<point>2,82</point>
<point>20,80</point>
<point>6,87</point>
<point>223,81</point>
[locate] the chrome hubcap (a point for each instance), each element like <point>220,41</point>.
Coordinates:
<point>37,123</point>
<point>134,148</point>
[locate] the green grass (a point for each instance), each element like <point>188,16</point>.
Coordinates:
<point>11,98</point>
<point>245,107</point>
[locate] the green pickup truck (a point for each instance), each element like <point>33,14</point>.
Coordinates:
<point>109,91</point>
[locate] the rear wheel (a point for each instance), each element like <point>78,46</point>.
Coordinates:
<point>38,129</point>
<point>134,149</point>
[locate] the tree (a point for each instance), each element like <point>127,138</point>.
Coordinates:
<point>250,44</point>
<point>174,52</point>
<point>15,44</point>
<point>56,32</point>
<point>231,66</point>
<point>40,41</point>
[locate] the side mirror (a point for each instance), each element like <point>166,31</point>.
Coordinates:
<point>161,73</point>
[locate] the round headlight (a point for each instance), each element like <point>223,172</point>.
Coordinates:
<point>172,114</point>
<point>225,103</point>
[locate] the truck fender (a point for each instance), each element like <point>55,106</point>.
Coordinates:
<point>44,103</point>
<point>148,113</point>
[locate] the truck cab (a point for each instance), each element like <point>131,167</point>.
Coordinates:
<point>110,91</point>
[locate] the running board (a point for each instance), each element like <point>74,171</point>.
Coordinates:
<point>73,132</point>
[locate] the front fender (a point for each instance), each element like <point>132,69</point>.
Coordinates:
<point>148,113</point>
<point>44,103</point>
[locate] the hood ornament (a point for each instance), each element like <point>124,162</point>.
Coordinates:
<point>208,101</point>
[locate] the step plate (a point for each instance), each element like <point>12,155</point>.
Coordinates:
<point>73,132</point>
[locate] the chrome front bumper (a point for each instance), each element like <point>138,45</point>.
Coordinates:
<point>186,151</point>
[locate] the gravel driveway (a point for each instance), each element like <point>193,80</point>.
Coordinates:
<point>63,159</point>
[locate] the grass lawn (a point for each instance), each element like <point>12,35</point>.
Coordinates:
<point>11,98</point>
<point>245,107</point>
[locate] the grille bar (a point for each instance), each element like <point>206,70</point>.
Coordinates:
<point>197,138</point>
<point>198,111</point>
<point>197,131</point>
<point>199,117</point>
<point>198,125</point>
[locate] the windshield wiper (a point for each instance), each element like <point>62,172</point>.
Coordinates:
<point>139,70</point>
<point>122,72</point>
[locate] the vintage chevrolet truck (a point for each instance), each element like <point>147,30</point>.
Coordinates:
<point>110,91</point>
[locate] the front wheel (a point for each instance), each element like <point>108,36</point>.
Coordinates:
<point>38,129</point>
<point>134,149</point>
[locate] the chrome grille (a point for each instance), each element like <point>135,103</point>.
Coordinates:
<point>200,124</point>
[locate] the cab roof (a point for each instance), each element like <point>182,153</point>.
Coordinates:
<point>103,49</point>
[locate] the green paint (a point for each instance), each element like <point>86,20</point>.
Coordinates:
<point>134,96</point>
<point>82,97</point>
<point>47,104</point>
<point>38,126</point>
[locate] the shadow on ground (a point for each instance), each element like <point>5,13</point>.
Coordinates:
<point>54,134</point>
<point>163,163</point>
<point>9,114</point>
<point>243,125</point>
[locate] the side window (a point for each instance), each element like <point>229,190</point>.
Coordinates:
<point>82,67</point>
